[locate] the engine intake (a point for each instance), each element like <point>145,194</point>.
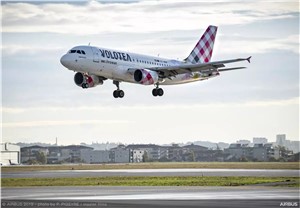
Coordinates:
<point>145,76</point>
<point>87,81</point>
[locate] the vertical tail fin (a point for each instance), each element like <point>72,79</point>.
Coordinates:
<point>204,48</point>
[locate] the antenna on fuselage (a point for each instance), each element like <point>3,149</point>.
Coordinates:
<point>89,43</point>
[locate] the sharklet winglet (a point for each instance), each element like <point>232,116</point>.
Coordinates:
<point>248,59</point>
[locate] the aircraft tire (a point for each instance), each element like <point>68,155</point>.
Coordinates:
<point>121,93</point>
<point>160,92</point>
<point>116,94</point>
<point>154,92</point>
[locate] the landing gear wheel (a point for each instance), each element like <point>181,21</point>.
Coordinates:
<point>121,93</point>
<point>160,92</point>
<point>157,92</point>
<point>154,92</point>
<point>116,94</point>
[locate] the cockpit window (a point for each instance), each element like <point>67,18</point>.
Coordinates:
<point>77,51</point>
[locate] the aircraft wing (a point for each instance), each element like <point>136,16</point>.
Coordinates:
<point>171,71</point>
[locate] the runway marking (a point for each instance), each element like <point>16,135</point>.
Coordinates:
<point>182,170</point>
<point>203,194</point>
<point>181,196</point>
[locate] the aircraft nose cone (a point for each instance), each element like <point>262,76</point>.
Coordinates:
<point>64,60</point>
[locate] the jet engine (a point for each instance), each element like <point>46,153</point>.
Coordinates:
<point>87,81</point>
<point>145,76</point>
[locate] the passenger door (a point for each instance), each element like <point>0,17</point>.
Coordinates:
<point>95,54</point>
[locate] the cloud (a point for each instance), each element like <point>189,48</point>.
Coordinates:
<point>146,16</point>
<point>98,22</point>
<point>61,123</point>
<point>92,108</point>
<point>13,49</point>
<point>290,43</point>
<point>155,124</point>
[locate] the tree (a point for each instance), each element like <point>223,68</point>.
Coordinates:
<point>191,157</point>
<point>41,158</point>
<point>244,159</point>
<point>272,159</point>
<point>145,157</point>
<point>164,159</point>
<point>31,162</point>
<point>284,152</point>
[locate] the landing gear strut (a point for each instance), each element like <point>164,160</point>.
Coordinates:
<point>157,91</point>
<point>118,93</point>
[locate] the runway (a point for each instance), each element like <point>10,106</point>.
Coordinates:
<point>247,196</point>
<point>152,172</point>
<point>122,196</point>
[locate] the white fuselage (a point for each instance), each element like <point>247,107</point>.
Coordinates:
<point>119,65</point>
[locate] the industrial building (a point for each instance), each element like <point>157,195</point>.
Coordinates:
<point>258,152</point>
<point>10,154</point>
<point>95,156</point>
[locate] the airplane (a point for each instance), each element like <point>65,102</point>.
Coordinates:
<point>94,65</point>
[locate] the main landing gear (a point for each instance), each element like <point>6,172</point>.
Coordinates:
<point>118,93</point>
<point>157,91</point>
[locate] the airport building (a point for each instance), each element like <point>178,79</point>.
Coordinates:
<point>95,156</point>
<point>137,155</point>
<point>260,140</point>
<point>30,154</point>
<point>120,154</point>
<point>53,154</point>
<point>289,144</point>
<point>281,139</point>
<point>258,152</point>
<point>154,152</point>
<point>10,154</point>
<point>243,141</point>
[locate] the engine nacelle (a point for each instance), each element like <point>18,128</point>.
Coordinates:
<point>87,81</point>
<point>145,77</point>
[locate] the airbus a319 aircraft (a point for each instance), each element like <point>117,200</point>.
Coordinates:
<point>94,65</point>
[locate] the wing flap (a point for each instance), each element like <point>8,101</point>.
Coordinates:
<point>233,68</point>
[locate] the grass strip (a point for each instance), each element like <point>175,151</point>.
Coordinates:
<point>150,181</point>
<point>159,165</point>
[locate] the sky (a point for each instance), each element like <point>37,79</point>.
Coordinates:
<point>40,101</point>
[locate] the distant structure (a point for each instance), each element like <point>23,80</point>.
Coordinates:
<point>10,154</point>
<point>243,141</point>
<point>95,156</point>
<point>281,139</point>
<point>242,150</point>
<point>289,144</point>
<point>54,154</point>
<point>260,140</point>
<point>120,154</point>
<point>258,152</point>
